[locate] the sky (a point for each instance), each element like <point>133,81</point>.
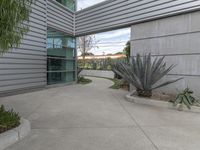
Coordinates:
<point>86,3</point>
<point>108,42</point>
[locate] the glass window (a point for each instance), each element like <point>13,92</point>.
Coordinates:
<point>61,56</point>
<point>68,3</point>
<point>60,77</point>
<point>57,42</point>
<point>82,4</point>
<point>50,43</point>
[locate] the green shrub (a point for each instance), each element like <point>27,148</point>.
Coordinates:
<point>143,73</point>
<point>8,119</point>
<point>119,83</point>
<point>98,64</point>
<point>186,98</point>
<point>82,80</point>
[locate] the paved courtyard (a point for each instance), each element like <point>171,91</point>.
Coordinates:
<point>94,117</point>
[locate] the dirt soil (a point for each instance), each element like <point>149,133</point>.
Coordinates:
<point>2,129</point>
<point>162,96</point>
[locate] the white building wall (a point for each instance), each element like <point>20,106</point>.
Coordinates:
<point>177,38</point>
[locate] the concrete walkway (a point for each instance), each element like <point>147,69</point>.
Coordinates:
<point>94,117</point>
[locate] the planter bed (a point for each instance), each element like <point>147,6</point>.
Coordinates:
<point>158,103</point>
<point>14,135</point>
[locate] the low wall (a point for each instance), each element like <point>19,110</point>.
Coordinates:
<point>98,73</point>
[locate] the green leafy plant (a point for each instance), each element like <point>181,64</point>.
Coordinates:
<point>8,119</point>
<point>144,73</point>
<point>119,83</point>
<point>82,80</point>
<point>98,64</point>
<point>127,50</point>
<point>186,98</point>
<point>14,17</point>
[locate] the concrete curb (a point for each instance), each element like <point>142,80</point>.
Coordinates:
<point>157,103</point>
<point>12,136</point>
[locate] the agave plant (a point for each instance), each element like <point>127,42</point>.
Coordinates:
<point>186,98</point>
<point>143,73</point>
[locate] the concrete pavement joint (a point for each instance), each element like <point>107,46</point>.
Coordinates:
<point>138,125</point>
<point>65,128</point>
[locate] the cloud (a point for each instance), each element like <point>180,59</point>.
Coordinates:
<point>109,42</point>
<point>114,34</point>
<point>112,42</point>
<point>86,3</point>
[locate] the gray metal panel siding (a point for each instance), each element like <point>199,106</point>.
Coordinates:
<point>60,17</point>
<point>25,67</point>
<point>113,14</point>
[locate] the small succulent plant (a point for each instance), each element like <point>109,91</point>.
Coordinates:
<point>186,98</point>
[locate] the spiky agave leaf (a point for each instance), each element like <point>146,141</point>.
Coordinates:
<point>186,102</point>
<point>143,73</point>
<point>166,83</point>
<point>123,69</point>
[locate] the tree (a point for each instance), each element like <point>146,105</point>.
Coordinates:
<point>86,43</point>
<point>14,17</point>
<point>118,53</point>
<point>127,50</point>
<point>89,54</point>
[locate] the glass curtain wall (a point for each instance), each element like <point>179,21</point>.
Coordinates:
<point>68,3</point>
<point>61,57</point>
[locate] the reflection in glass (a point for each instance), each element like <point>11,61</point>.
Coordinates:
<point>68,3</point>
<point>61,57</point>
<point>60,77</point>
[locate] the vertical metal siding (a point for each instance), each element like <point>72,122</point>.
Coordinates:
<point>25,67</point>
<point>60,17</point>
<point>113,14</point>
